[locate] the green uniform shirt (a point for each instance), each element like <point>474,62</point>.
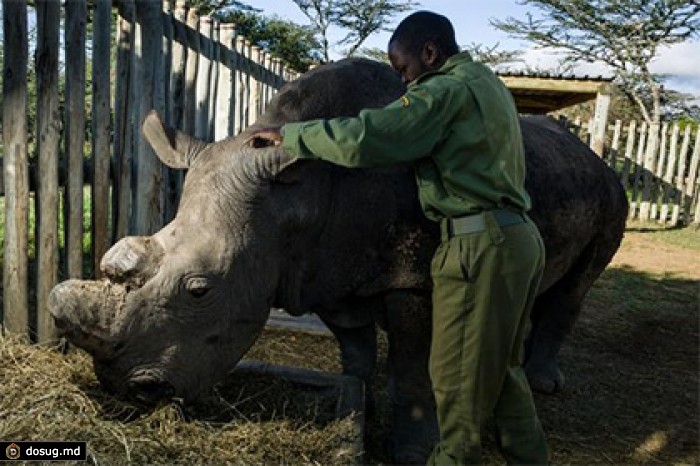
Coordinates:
<point>460,128</point>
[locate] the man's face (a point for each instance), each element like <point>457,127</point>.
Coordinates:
<point>409,65</point>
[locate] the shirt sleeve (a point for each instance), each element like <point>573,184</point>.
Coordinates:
<point>405,130</point>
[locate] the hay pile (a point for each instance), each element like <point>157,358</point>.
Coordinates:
<point>255,419</point>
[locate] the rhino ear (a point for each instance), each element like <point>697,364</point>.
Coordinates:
<point>173,148</point>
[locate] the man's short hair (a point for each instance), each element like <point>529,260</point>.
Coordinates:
<point>423,26</point>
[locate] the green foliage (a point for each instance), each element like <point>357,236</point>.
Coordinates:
<point>626,35</point>
<point>294,44</point>
<point>491,55</point>
<point>359,18</point>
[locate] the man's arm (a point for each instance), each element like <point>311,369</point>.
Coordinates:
<point>404,130</point>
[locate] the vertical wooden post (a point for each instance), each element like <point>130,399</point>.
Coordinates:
<point>177,99</point>
<point>680,178</point>
<point>124,114</point>
<point>657,188</point>
<point>148,201</point>
<point>100,130</point>
<point>254,106</point>
<point>212,93</point>
<point>48,137</point>
<point>76,20</point>
<point>179,59</point>
<point>192,32</point>
<point>668,176</point>
<point>638,168</point>
<point>203,78</point>
<point>629,150</point>
<point>600,124</point>
<point>615,146</point>
<point>223,125</point>
<point>692,181</point>
<point>16,178</point>
<point>648,168</point>
<point>241,86</point>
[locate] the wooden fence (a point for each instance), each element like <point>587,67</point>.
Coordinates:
<point>658,166</point>
<point>202,76</point>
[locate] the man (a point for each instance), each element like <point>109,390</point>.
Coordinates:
<point>458,124</point>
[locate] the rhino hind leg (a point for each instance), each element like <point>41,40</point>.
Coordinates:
<point>414,422</point>
<point>554,313</point>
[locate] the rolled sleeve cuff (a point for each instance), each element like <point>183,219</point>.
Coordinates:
<point>292,141</point>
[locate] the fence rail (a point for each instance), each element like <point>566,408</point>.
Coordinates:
<point>201,75</point>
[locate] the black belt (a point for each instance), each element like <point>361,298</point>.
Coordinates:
<point>477,222</point>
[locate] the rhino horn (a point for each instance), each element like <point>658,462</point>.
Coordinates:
<point>174,148</point>
<point>80,318</point>
<point>133,259</point>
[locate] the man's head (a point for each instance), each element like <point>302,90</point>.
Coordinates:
<point>422,42</point>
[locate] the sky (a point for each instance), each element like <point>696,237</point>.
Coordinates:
<point>471,19</point>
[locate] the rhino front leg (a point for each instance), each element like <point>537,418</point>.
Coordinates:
<point>414,426</point>
<point>358,352</point>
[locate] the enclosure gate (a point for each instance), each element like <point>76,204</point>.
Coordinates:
<point>202,76</point>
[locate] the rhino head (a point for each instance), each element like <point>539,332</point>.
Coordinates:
<point>180,308</point>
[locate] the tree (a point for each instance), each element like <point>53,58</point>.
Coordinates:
<point>360,18</point>
<point>626,35</point>
<point>296,45</point>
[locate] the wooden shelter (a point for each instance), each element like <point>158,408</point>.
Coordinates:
<point>543,93</point>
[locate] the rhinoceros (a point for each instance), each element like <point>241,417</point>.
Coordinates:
<point>254,230</point>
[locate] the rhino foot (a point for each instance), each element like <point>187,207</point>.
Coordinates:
<point>545,379</point>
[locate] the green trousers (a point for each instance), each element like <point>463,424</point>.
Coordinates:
<point>484,286</point>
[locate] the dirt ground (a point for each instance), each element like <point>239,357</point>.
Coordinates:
<point>631,366</point>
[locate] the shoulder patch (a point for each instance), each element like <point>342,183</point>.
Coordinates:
<point>405,101</point>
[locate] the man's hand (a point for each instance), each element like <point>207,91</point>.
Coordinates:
<point>265,137</point>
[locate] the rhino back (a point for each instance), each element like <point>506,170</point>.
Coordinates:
<point>577,200</point>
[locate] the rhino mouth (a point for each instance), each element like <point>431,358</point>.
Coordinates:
<point>149,389</point>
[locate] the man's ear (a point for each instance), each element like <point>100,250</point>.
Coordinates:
<point>431,56</point>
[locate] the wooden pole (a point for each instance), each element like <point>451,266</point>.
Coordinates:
<point>213,79</point>
<point>638,167</point>
<point>691,185</point>
<point>668,176</point>
<point>254,106</point>
<point>148,202</point>
<point>657,188</point>
<point>124,115</point>
<point>48,137</point>
<point>16,178</point>
<point>241,84</point>
<point>615,146</point>
<point>206,25</point>
<point>101,94</point>
<point>191,67</point>
<point>223,126</point>
<point>177,99</point>
<point>648,168</point>
<point>629,150</point>
<point>680,178</point>
<point>600,124</point>
<point>76,20</point>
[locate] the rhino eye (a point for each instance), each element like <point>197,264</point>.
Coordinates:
<point>198,286</point>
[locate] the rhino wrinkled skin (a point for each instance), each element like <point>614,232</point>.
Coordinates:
<point>254,231</point>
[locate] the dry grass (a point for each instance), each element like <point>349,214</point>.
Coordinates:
<point>253,419</point>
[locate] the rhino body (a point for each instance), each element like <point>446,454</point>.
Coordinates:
<point>181,307</point>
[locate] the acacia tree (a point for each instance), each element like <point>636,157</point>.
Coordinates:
<point>360,18</point>
<point>626,35</point>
